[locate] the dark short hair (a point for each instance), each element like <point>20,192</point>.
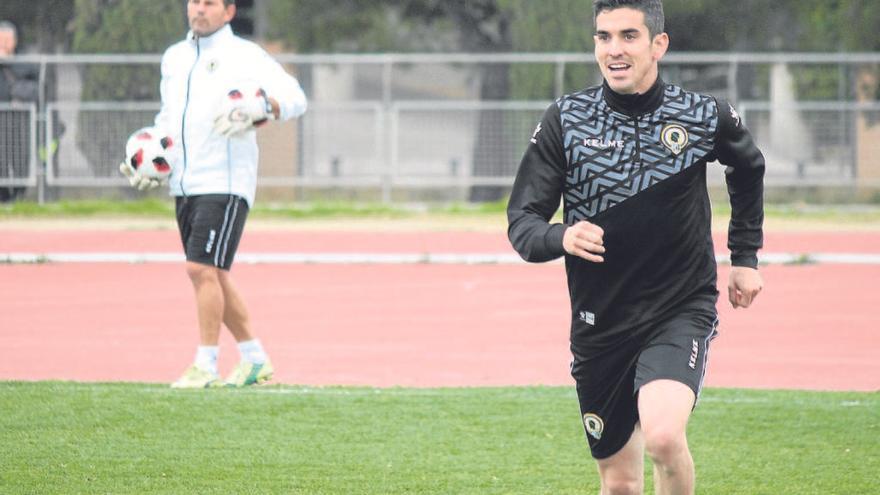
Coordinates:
<point>227,3</point>
<point>653,10</point>
<point>8,26</point>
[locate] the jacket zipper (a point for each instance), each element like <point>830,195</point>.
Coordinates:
<point>638,157</point>
<point>185,107</point>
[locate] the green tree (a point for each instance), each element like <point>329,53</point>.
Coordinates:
<point>842,26</point>
<point>497,26</point>
<point>477,26</point>
<point>315,26</point>
<point>120,26</point>
<point>125,26</point>
<point>572,33</point>
<point>41,24</point>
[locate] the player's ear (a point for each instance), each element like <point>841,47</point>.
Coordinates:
<point>659,45</point>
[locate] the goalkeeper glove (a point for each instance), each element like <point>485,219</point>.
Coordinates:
<point>137,180</point>
<point>242,111</point>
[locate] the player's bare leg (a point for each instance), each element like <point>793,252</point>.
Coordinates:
<point>664,409</point>
<point>209,305</point>
<point>623,472</point>
<point>235,313</point>
<point>254,367</point>
<point>209,301</point>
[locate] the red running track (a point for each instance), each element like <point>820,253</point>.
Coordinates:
<point>411,325</point>
<point>259,241</point>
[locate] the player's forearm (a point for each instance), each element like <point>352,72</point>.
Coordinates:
<point>292,102</point>
<point>536,193</point>
<point>533,202</point>
<point>534,238</point>
<point>736,148</point>
<point>745,233</point>
<point>286,91</point>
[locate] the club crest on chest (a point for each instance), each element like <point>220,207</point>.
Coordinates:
<point>674,137</point>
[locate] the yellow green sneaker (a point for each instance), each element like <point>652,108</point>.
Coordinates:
<point>246,373</point>
<point>195,377</point>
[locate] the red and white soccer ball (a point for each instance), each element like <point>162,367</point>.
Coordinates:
<point>248,101</point>
<point>148,152</point>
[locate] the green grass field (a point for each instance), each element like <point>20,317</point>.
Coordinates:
<point>61,437</point>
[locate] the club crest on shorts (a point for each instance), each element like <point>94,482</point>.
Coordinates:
<point>594,424</point>
<point>674,137</point>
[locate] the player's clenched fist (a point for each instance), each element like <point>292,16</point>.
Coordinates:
<point>584,239</point>
<point>743,286</point>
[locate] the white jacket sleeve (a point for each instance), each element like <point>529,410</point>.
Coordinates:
<point>283,87</point>
<point>163,118</point>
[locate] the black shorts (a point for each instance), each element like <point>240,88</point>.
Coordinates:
<point>210,227</point>
<point>608,382</point>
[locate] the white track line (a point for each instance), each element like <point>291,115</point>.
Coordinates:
<point>390,258</point>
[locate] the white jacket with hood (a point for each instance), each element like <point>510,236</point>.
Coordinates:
<point>197,74</point>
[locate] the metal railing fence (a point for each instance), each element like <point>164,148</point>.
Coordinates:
<point>815,143</point>
<point>437,144</point>
<point>729,67</point>
<point>416,121</point>
<point>18,144</point>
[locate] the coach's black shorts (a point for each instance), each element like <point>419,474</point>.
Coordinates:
<point>608,382</point>
<point>210,227</point>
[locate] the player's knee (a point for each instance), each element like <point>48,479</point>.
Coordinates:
<point>622,479</point>
<point>200,274</point>
<point>621,485</point>
<point>663,445</point>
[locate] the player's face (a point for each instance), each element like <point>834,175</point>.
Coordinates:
<point>207,16</point>
<point>7,43</point>
<point>625,51</point>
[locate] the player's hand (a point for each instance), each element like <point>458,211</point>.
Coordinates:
<point>584,239</point>
<point>137,180</point>
<point>743,286</point>
<point>242,111</point>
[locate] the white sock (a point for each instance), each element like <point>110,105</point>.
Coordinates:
<point>252,351</point>
<point>206,357</point>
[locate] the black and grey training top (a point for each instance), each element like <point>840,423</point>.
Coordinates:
<point>636,166</point>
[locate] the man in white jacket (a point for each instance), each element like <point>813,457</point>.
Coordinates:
<point>216,88</point>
